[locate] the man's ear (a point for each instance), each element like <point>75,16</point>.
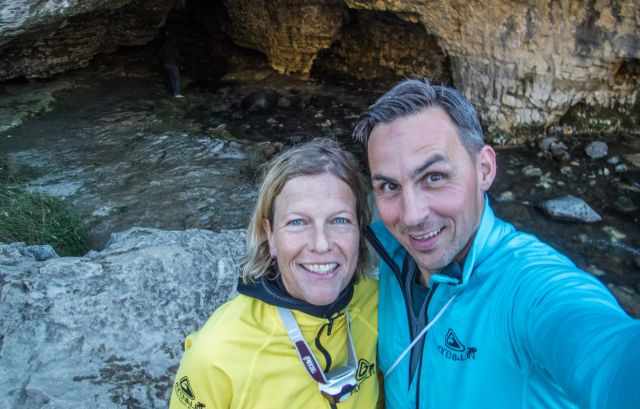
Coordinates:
<point>487,167</point>
<point>267,229</point>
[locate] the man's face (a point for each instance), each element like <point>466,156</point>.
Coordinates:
<point>428,189</point>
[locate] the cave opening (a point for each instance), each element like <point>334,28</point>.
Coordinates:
<point>382,46</point>
<point>205,51</point>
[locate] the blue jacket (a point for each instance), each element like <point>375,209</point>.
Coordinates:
<point>527,329</point>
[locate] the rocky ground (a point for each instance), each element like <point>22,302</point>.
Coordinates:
<point>106,330</point>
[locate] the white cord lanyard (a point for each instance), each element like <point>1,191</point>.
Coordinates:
<point>420,335</point>
<point>305,354</point>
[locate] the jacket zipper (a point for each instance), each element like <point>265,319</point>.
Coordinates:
<point>432,290</point>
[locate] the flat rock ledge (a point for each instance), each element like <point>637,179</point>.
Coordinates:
<point>106,330</point>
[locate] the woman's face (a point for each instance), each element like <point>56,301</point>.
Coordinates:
<point>315,237</point>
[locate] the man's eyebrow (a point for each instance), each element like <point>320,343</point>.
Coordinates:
<point>434,159</point>
<point>381,178</point>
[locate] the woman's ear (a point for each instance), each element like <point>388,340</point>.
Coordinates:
<point>486,167</point>
<point>267,229</point>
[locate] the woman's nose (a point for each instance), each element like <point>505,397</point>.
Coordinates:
<point>321,241</point>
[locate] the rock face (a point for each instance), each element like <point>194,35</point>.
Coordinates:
<point>525,66</point>
<point>376,44</point>
<point>42,38</point>
<point>289,32</point>
<point>106,330</point>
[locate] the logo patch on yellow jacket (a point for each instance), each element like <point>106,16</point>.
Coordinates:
<point>185,394</point>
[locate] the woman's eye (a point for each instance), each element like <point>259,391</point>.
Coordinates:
<point>295,222</point>
<point>341,220</point>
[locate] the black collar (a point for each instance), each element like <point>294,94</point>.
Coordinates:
<point>270,289</point>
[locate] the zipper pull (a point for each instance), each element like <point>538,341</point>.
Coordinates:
<point>331,320</point>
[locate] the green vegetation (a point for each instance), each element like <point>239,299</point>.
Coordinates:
<point>35,218</point>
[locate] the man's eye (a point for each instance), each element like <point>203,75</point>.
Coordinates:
<point>387,187</point>
<point>434,177</point>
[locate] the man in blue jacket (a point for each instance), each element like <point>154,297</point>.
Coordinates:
<point>473,313</point>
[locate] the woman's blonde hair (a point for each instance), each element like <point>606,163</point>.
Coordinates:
<point>319,156</point>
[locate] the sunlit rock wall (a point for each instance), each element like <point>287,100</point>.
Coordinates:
<point>42,38</point>
<point>377,44</point>
<point>289,32</point>
<point>525,65</point>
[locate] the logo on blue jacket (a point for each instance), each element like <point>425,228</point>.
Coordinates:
<point>454,350</point>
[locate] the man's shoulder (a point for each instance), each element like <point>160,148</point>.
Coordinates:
<point>522,261</point>
<point>523,250</point>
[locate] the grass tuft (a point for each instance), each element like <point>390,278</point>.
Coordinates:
<point>35,218</point>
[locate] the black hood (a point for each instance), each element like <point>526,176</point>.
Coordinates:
<point>271,290</point>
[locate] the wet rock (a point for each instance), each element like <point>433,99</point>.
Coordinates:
<point>505,197</point>
<point>21,103</point>
<point>566,170</point>
<point>630,181</point>
<point>551,146</point>
<point>260,101</point>
<point>545,181</point>
<point>614,234</point>
<point>531,170</point>
<point>628,299</point>
<point>284,102</point>
<point>262,152</point>
<point>111,324</point>
<point>625,205</point>
<point>633,159</point>
<point>621,168</point>
<point>597,150</point>
<point>596,271</point>
<point>570,208</point>
<point>614,160</point>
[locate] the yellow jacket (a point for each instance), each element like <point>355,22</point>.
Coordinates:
<point>243,358</point>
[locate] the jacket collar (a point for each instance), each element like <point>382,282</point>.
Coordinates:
<point>480,248</point>
<point>270,289</point>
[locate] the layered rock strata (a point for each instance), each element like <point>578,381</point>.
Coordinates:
<point>40,39</point>
<point>526,66</point>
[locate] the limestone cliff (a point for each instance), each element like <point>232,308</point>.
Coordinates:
<point>43,38</point>
<point>527,66</point>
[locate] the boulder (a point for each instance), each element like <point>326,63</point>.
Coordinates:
<point>570,208</point>
<point>106,330</point>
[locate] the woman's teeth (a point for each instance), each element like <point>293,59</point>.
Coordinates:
<point>320,268</point>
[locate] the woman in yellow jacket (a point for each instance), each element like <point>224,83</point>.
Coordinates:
<point>302,332</point>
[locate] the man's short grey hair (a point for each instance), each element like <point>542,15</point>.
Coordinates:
<point>412,96</point>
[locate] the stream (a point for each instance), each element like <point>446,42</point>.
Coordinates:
<point>112,143</point>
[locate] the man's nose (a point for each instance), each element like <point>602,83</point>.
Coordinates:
<point>415,208</point>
